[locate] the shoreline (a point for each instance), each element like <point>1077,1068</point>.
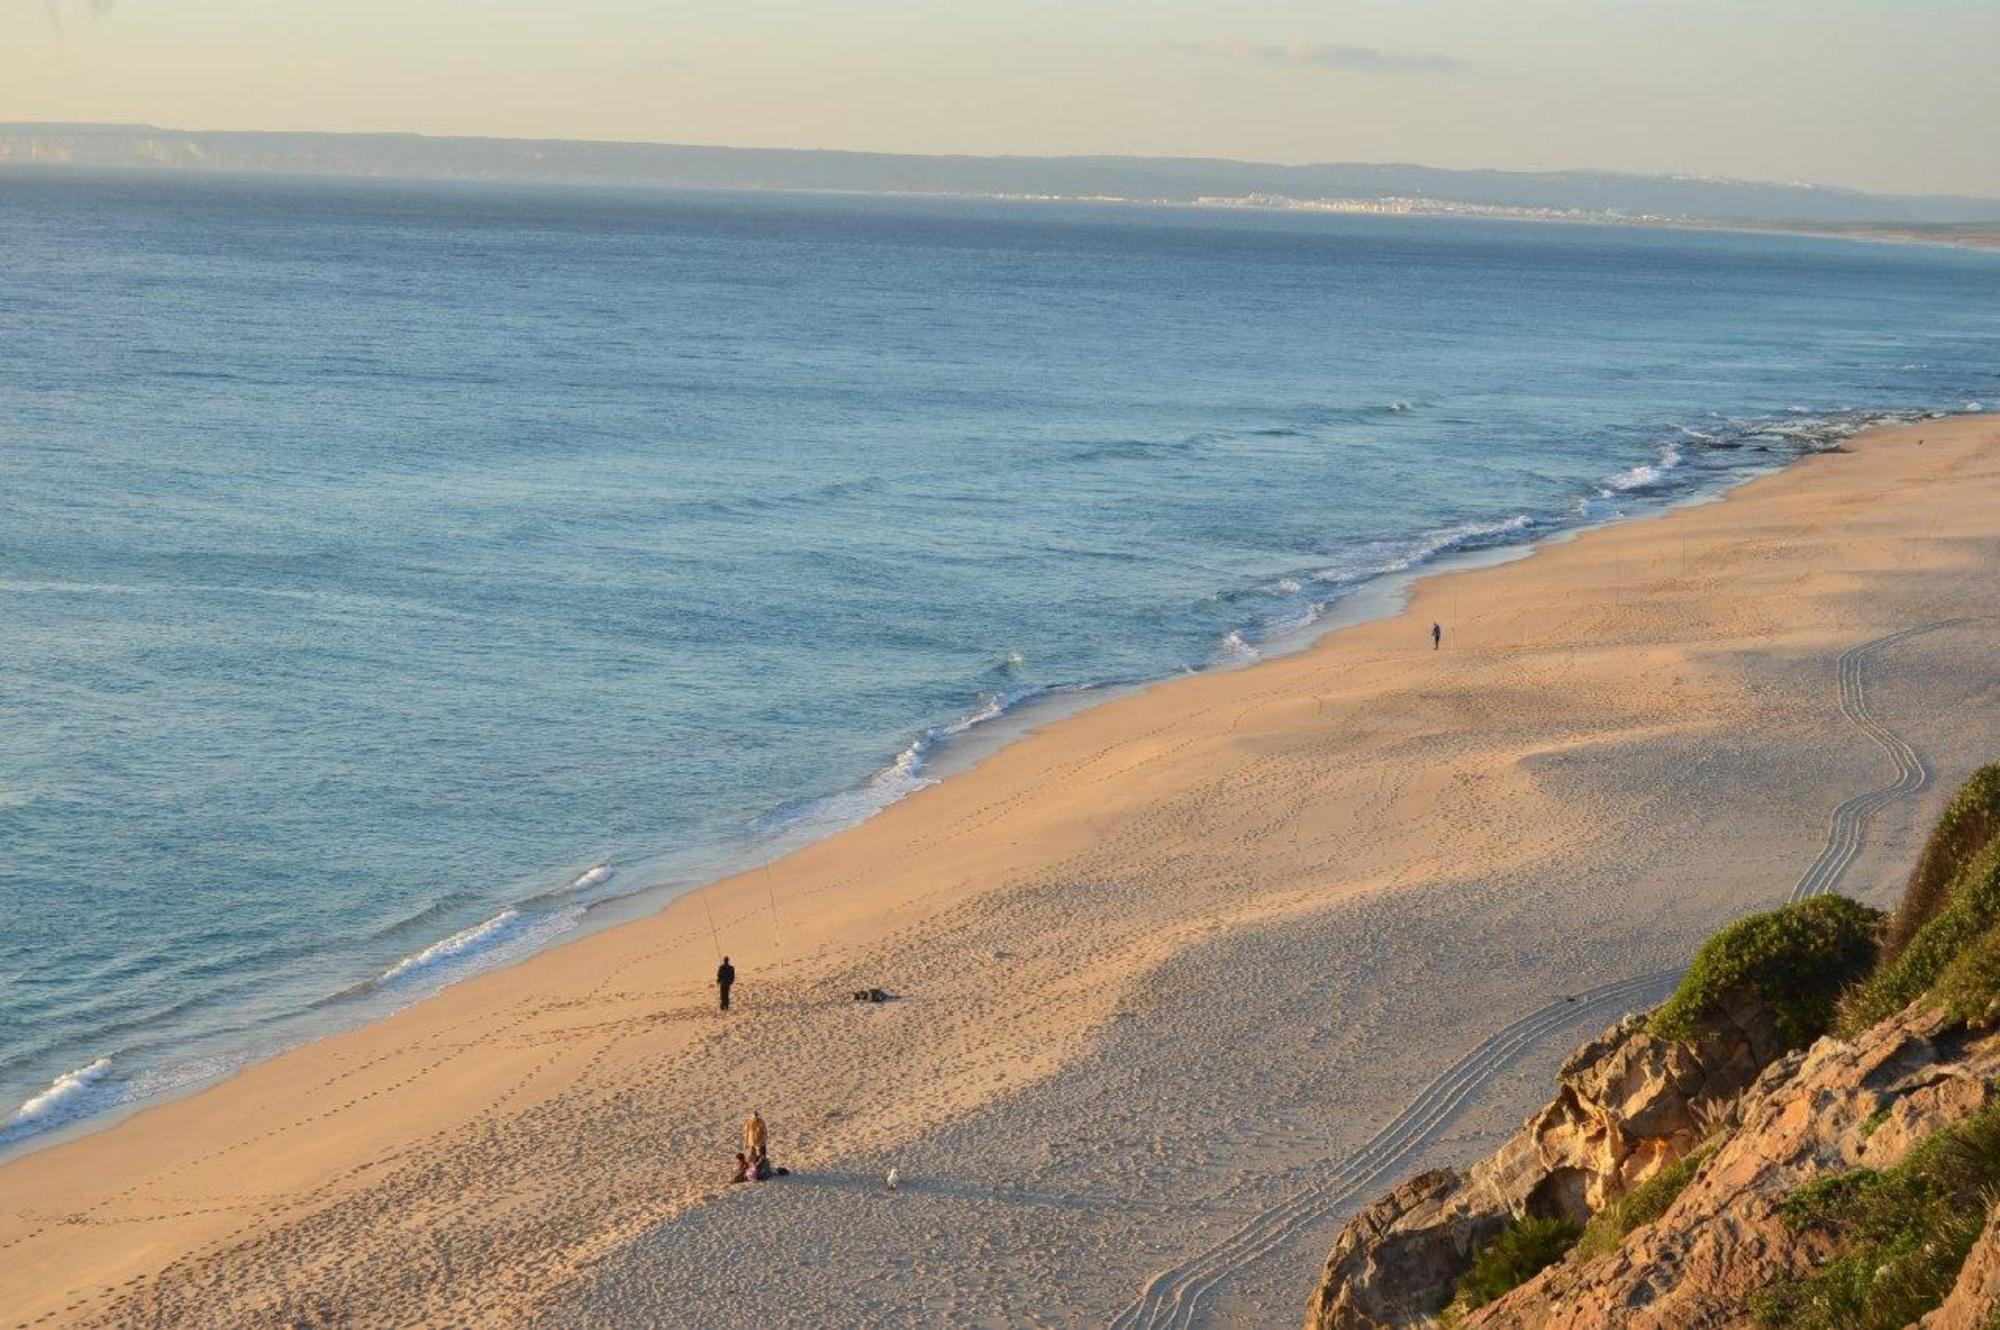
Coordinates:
<point>943,751</point>
<point>1465,826</point>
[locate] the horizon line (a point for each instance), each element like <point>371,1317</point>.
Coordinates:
<point>1608,172</point>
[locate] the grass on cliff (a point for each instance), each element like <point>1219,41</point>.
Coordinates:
<point>1970,908</point>
<point>1970,821</point>
<point>1904,1234</point>
<point>1969,988</point>
<point>1797,958</point>
<point>1516,1254</point>
<point>1641,1205</point>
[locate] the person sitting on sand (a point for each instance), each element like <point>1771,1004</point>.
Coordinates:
<point>744,1171</point>
<point>755,1136</point>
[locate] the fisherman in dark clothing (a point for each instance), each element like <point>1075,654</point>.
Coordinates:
<point>725,975</point>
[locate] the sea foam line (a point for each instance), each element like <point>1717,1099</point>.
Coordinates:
<point>512,930</point>
<point>907,772</point>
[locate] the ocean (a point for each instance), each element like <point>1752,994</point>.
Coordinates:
<point>399,578</point>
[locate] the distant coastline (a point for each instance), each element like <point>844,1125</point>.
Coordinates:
<point>1584,196</point>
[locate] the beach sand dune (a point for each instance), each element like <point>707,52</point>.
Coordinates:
<point>1162,966</point>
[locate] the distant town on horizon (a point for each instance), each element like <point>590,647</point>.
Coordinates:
<point>1334,187</point>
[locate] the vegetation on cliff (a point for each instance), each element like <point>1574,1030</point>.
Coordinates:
<point>1970,822</point>
<point>1883,1143</point>
<point>1516,1254</point>
<point>1796,960</point>
<point>1970,908</point>
<point>1905,1232</point>
<point>1900,1234</point>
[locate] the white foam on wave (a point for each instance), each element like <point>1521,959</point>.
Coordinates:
<point>990,706</point>
<point>458,944</point>
<point>1646,474</point>
<point>69,1095</point>
<point>903,776</point>
<point>1234,647</point>
<point>1401,556</point>
<point>591,877</point>
<point>1371,560</point>
<point>507,933</point>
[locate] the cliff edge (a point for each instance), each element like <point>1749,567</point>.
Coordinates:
<point>1806,1135</point>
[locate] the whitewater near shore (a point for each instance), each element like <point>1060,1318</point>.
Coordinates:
<point>1160,966</point>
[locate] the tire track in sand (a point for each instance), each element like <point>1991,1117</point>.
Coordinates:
<point>1173,1297</point>
<point>1843,835</point>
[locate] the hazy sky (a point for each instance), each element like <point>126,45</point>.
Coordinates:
<point>1883,94</point>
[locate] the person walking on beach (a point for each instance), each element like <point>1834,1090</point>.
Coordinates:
<point>1437,636</point>
<point>725,975</point>
<point>755,1137</point>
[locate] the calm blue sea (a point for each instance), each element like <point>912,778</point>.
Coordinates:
<point>390,574</point>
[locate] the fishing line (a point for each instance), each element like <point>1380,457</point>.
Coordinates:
<point>715,936</point>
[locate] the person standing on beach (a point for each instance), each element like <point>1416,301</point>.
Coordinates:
<point>725,975</point>
<point>755,1138</point>
<point>1437,636</point>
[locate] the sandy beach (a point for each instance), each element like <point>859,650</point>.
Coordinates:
<point>1163,967</point>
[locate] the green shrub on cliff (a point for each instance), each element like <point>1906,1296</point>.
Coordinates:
<point>1797,958</point>
<point>1969,988</point>
<point>1905,1232</point>
<point>1516,1254</point>
<point>1971,907</point>
<point>1970,821</point>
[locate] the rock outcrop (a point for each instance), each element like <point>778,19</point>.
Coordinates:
<point>1626,1105</point>
<point>1844,1182</point>
<point>1833,1107</point>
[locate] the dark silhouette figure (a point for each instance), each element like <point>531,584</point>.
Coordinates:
<point>1437,636</point>
<point>725,975</point>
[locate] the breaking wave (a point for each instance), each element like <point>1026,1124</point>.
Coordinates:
<point>1233,647</point>
<point>908,771</point>
<point>70,1095</point>
<point>591,877</point>
<point>509,932</point>
<point>1646,475</point>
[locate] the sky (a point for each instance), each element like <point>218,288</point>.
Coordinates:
<point>1895,95</point>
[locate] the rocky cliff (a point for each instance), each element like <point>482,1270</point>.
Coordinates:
<point>1766,1150</point>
